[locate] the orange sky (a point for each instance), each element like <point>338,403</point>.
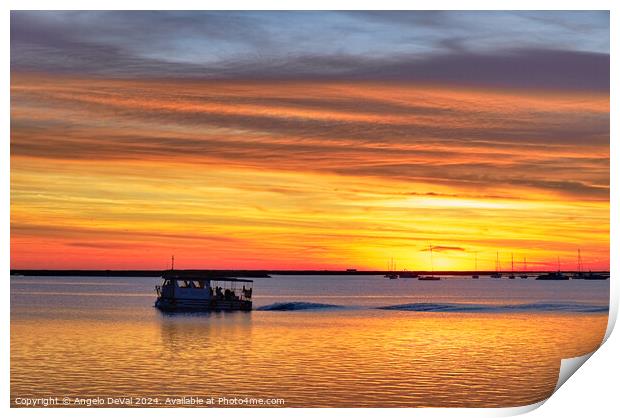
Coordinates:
<point>121,174</point>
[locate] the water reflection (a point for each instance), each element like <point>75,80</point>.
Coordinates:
<point>119,346</point>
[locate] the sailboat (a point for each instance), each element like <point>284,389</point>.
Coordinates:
<point>391,274</point>
<point>579,274</point>
<point>475,276</point>
<point>553,275</point>
<point>586,276</point>
<point>512,267</point>
<point>497,274</point>
<point>432,276</point>
<point>524,274</point>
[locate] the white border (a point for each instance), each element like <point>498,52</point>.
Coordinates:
<point>592,392</point>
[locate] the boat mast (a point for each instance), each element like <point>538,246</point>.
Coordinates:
<point>497,262</point>
<point>512,263</point>
<point>172,263</point>
<point>524,264</point>
<point>579,259</point>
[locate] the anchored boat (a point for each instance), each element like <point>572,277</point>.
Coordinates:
<point>196,291</point>
<point>553,276</point>
<point>391,274</point>
<point>524,274</point>
<point>432,276</point>
<point>512,267</point>
<point>582,274</point>
<point>558,275</point>
<point>497,274</point>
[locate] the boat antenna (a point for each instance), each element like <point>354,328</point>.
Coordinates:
<point>172,263</point>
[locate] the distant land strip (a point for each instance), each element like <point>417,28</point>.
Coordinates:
<point>261,273</point>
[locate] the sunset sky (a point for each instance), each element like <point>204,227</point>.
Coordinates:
<point>309,139</point>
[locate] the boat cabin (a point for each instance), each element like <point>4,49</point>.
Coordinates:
<point>196,291</point>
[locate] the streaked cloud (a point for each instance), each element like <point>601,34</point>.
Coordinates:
<point>442,248</point>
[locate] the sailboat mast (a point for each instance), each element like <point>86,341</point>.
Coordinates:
<point>579,259</point>
<point>497,261</point>
<point>512,262</point>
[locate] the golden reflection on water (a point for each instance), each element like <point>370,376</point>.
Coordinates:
<point>344,358</point>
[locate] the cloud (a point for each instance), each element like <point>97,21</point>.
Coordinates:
<point>472,140</point>
<point>288,46</point>
<point>443,248</point>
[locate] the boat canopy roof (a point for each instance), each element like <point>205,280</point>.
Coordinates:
<point>200,275</point>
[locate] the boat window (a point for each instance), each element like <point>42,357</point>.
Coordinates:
<point>198,284</point>
<point>183,283</point>
<point>166,282</point>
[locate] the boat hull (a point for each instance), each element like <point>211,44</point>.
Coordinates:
<point>547,277</point>
<point>201,305</point>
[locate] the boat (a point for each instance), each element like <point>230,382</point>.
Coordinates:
<point>580,274</point>
<point>554,275</point>
<point>391,274</point>
<point>193,290</point>
<point>557,275</point>
<point>594,276</point>
<point>432,276</point>
<point>497,274</point>
<point>475,275</point>
<point>586,276</point>
<point>524,274</point>
<point>512,267</point>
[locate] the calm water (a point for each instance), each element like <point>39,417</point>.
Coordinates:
<point>312,340</point>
